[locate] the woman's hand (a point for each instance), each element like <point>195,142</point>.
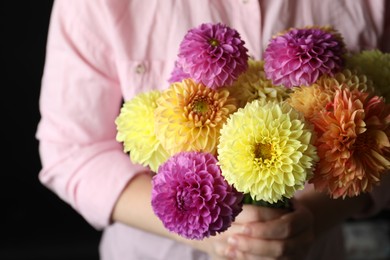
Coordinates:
<point>264,233</point>
<point>218,247</point>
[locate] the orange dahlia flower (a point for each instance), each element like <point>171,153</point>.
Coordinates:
<point>313,98</point>
<point>353,143</point>
<point>189,116</point>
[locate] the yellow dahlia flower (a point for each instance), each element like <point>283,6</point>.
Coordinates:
<point>310,100</point>
<point>376,65</point>
<point>189,116</point>
<point>253,84</point>
<point>136,129</point>
<point>266,150</point>
<point>350,79</point>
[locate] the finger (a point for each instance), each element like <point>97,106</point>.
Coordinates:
<point>272,248</point>
<point>267,230</point>
<point>235,254</point>
<point>235,228</point>
<point>253,213</point>
<point>288,225</point>
<point>218,244</point>
<point>264,248</point>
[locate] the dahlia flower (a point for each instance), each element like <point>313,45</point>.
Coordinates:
<point>136,129</point>
<point>299,56</point>
<point>191,197</point>
<point>346,78</point>
<point>376,65</point>
<point>353,143</point>
<point>313,98</point>
<point>266,149</point>
<point>253,84</point>
<point>189,116</point>
<point>213,54</point>
<point>178,74</point>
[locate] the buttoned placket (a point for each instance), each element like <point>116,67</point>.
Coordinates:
<point>140,69</point>
<point>249,15</point>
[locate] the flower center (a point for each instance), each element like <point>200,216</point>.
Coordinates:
<point>263,151</point>
<point>363,143</point>
<point>214,42</point>
<point>200,106</point>
<point>181,201</point>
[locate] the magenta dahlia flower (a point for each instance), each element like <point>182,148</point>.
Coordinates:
<point>178,74</point>
<point>191,197</point>
<point>213,54</point>
<point>299,56</point>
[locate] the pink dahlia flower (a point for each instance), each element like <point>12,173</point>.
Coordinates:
<point>178,74</point>
<point>299,56</point>
<point>213,54</point>
<point>191,197</point>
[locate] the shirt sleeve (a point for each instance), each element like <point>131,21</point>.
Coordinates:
<point>80,98</point>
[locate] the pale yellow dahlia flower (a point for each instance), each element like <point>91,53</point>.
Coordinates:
<point>350,79</point>
<point>376,65</point>
<point>189,116</point>
<point>266,150</point>
<point>253,84</point>
<point>136,129</point>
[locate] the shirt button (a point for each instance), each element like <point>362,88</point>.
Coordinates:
<point>245,1</point>
<point>140,69</point>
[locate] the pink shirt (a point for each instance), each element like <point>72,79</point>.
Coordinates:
<point>102,51</point>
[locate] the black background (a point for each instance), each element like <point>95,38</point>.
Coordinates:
<point>37,224</point>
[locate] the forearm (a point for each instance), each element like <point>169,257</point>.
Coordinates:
<point>134,209</point>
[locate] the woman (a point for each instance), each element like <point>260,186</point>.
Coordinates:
<point>103,51</point>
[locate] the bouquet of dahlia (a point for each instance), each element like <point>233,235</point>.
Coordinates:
<point>231,130</point>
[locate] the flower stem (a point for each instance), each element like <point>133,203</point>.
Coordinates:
<point>284,203</point>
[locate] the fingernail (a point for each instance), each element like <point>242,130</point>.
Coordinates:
<point>245,230</point>
<point>232,241</point>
